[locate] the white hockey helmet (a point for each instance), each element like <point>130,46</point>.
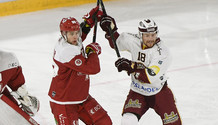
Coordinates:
<point>147,26</point>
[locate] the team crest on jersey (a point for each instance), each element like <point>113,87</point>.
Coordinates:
<point>133,104</point>
<point>78,62</point>
<point>172,117</point>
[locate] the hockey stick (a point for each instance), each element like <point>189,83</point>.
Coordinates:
<point>113,39</point>
<point>17,110</point>
<point>110,31</point>
<point>95,27</point>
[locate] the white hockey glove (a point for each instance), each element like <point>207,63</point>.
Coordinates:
<point>29,104</point>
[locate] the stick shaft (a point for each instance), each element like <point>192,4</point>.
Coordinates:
<point>110,31</point>
<point>95,26</point>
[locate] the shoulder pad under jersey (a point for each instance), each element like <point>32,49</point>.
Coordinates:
<point>135,35</point>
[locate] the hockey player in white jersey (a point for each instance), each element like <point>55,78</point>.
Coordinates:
<point>148,67</point>
<point>16,104</point>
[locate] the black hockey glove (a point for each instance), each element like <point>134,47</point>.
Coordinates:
<point>125,64</point>
<point>130,67</point>
<point>137,68</point>
<point>107,22</point>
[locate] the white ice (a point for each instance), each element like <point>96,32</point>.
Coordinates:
<point>188,27</point>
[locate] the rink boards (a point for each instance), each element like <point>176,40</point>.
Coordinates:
<point>11,7</point>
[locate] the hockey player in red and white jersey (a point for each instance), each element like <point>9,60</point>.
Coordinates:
<point>148,67</point>
<point>69,91</point>
<point>16,104</point>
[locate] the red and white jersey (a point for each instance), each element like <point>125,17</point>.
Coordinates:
<point>156,58</point>
<point>70,84</point>
<point>10,72</point>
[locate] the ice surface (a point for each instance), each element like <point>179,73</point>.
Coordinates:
<point>188,27</point>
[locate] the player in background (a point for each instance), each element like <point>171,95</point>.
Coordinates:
<point>69,91</point>
<point>13,88</point>
<point>148,67</point>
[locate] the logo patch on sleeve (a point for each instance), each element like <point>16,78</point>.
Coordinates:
<point>78,62</point>
<point>160,62</point>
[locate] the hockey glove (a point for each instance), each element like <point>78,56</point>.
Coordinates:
<point>138,69</point>
<point>125,64</point>
<point>29,104</point>
<point>90,17</point>
<point>107,22</point>
<point>93,48</point>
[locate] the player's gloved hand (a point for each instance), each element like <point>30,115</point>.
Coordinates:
<point>125,64</point>
<point>30,104</point>
<point>129,66</point>
<point>90,17</point>
<point>93,48</point>
<point>106,22</point>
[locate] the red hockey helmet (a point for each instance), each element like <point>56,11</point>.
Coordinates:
<point>69,24</point>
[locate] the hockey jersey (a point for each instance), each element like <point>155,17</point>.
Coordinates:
<point>70,84</point>
<point>156,58</point>
<point>10,72</point>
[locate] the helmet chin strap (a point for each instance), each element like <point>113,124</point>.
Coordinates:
<point>64,35</point>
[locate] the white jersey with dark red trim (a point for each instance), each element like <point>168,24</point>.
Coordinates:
<point>156,58</point>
